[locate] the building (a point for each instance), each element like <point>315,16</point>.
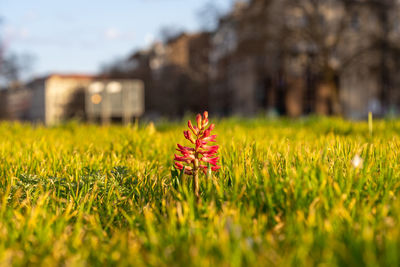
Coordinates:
<point>287,57</point>
<point>58,97</point>
<point>3,104</point>
<point>18,103</point>
<point>175,74</point>
<point>15,103</point>
<point>299,57</point>
<point>180,74</point>
<point>114,100</point>
<point>239,62</point>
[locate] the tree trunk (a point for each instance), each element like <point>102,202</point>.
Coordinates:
<point>327,100</point>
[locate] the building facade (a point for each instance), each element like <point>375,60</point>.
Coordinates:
<point>287,57</point>
<point>175,74</point>
<point>58,97</point>
<point>300,57</point>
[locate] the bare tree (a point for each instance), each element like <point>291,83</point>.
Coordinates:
<point>208,16</point>
<point>13,66</point>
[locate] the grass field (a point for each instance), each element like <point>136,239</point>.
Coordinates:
<point>287,194</point>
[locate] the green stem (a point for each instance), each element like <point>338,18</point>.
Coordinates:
<point>196,179</point>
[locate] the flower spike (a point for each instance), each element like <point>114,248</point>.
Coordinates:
<point>197,158</point>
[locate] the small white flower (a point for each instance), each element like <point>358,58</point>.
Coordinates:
<point>357,161</point>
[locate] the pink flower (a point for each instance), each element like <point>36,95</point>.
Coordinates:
<point>197,157</point>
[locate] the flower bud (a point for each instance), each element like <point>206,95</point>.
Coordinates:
<point>188,136</point>
<point>190,125</point>
<point>199,123</point>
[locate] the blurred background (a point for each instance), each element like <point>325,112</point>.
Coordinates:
<point>119,60</point>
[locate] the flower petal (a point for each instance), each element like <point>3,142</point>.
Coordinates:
<point>212,161</point>
<point>215,168</point>
<point>179,165</point>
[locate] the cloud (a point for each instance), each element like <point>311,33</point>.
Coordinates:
<point>114,34</point>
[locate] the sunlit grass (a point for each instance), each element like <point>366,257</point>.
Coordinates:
<point>288,193</point>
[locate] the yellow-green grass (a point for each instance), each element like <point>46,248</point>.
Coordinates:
<point>287,194</point>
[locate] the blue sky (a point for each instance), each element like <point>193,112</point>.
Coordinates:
<point>80,35</point>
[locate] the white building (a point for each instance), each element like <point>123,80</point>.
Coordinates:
<point>58,97</point>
